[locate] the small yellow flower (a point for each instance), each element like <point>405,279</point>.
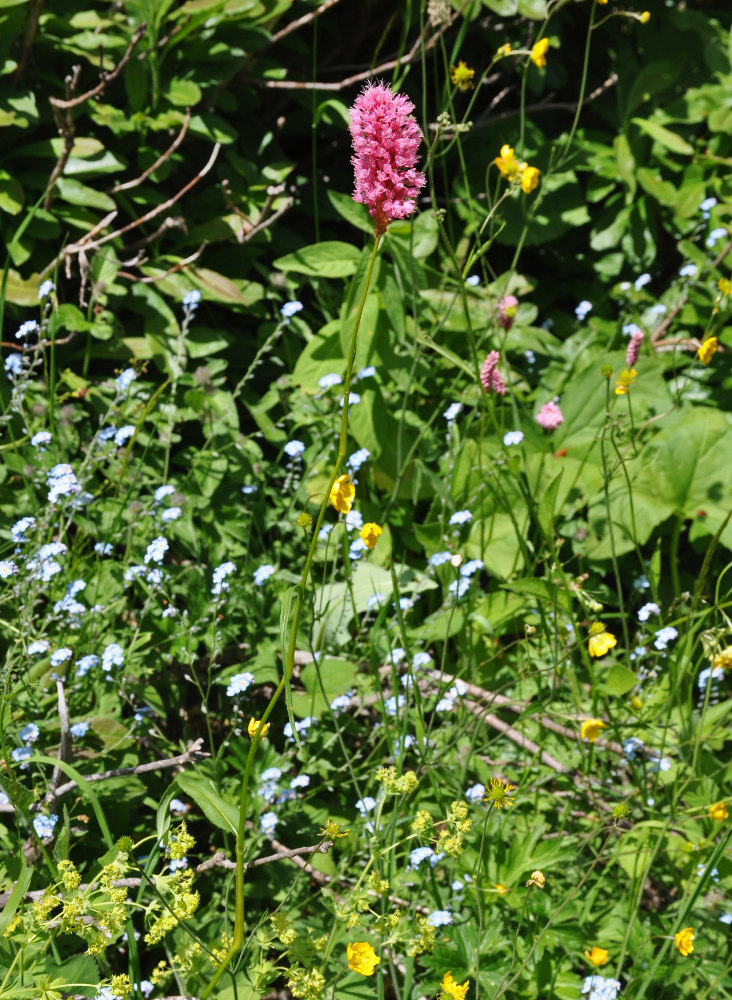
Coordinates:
<point>645,17</point>
<point>452,989</point>
<point>591,729</point>
<point>503,50</point>
<point>507,163</point>
<point>708,350</point>
<point>362,958</point>
<point>598,956</point>
<point>725,286</point>
<point>502,889</point>
<point>343,494</point>
<point>370,533</point>
<point>254,727</point>
<point>539,51</point>
<point>538,879</point>
<point>723,659</point>
<point>719,811</point>
<point>529,179</point>
<point>600,642</point>
<point>462,76</point>
<point>625,379</point>
<point>499,793</point>
<point>333,830</point>
<point>685,941</point>
<point>602,2</point>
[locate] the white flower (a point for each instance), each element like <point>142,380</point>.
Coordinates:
<point>294,449</point>
<point>461,517</point>
<point>263,574</point>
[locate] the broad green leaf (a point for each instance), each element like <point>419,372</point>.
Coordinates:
<point>665,137</point>
<point>76,193</point>
<point>619,680</point>
<point>331,259</point>
<point>352,211</point>
<point>11,194</point>
<point>332,104</point>
<point>534,9</point>
<point>203,792</point>
<point>184,93</point>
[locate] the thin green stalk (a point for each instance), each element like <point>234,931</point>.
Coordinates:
<point>238,936</point>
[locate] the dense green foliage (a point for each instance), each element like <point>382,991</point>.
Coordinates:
<point>184,270</point>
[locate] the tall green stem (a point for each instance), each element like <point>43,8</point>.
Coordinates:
<point>238,936</point>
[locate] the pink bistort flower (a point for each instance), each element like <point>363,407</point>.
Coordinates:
<point>506,311</point>
<point>490,376</point>
<point>634,349</point>
<point>385,143</point>
<point>549,416</point>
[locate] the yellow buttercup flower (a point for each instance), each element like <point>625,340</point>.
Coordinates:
<point>707,350</point>
<point>452,989</point>
<point>645,17</point>
<point>370,533</point>
<point>591,729</point>
<point>254,727</point>
<point>719,811</point>
<point>343,494</point>
<point>499,793</point>
<point>539,51</point>
<point>723,659</point>
<point>362,958</point>
<point>507,163</point>
<point>725,286</point>
<point>598,956</point>
<point>625,379</point>
<point>462,76</point>
<point>600,642</point>
<point>684,941</point>
<point>502,889</point>
<point>529,179</point>
<point>503,50</point>
<point>538,879</point>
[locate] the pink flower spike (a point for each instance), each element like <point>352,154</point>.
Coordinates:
<point>549,416</point>
<point>634,349</point>
<point>507,308</point>
<point>490,376</point>
<point>385,145</point>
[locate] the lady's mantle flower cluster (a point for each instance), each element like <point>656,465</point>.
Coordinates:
<point>517,170</point>
<point>385,143</point>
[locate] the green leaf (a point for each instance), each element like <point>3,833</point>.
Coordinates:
<point>669,140</point>
<point>545,513</point>
<point>16,897</point>
<point>183,93</point>
<point>619,680</point>
<point>352,211</point>
<point>625,163</point>
<point>285,614</point>
<point>534,9</point>
<point>331,259</point>
<point>85,790</point>
<point>11,194</point>
<point>332,104</point>
<point>76,193</point>
<point>203,792</point>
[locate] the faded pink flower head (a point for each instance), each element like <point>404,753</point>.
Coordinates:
<point>507,308</point>
<point>549,416</point>
<point>634,347</point>
<point>490,376</point>
<point>385,144</point>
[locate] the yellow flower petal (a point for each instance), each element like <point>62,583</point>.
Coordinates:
<point>362,958</point>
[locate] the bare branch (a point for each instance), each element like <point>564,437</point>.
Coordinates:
<point>192,755</point>
<point>160,160</point>
<point>300,22</point>
<point>74,102</point>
